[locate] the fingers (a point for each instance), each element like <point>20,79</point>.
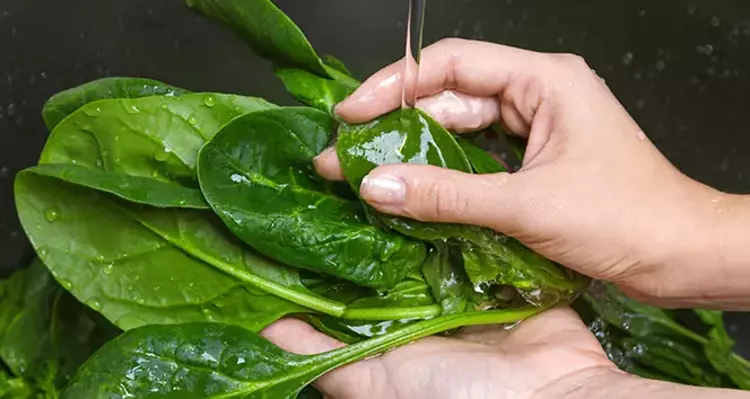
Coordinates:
<point>559,326</point>
<point>433,194</point>
<point>299,337</point>
<point>327,165</point>
<point>461,113</point>
<point>475,68</point>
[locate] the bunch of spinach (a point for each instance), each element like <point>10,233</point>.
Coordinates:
<point>191,221</point>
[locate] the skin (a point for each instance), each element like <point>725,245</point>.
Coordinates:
<point>593,194</point>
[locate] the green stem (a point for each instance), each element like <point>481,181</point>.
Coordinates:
<point>382,314</point>
<point>310,301</point>
<point>328,361</point>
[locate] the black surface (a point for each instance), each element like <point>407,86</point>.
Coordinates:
<point>686,83</point>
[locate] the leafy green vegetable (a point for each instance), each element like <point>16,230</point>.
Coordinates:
<point>719,352</point>
<point>152,265</point>
<point>336,64</point>
<point>49,335</point>
<point>266,29</point>
<point>481,161</point>
<point>222,361</point>
<point>448,280</point>
<point>143,150</point>
<point>313,90</point>
<point>66,102</point>
<point>142,190</point>
<point>490,258</point>
<point>257,175</point>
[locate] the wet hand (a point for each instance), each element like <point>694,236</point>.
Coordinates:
<point>593,194</point>
<point>538,358</point>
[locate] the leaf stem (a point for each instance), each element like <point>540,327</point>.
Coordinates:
<point>381,314</point>
<point>328,361</point>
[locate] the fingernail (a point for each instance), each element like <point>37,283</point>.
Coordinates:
<point>383,189</point>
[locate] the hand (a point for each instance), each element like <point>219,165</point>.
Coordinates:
<point>593,194</point>
<point>541,356</point>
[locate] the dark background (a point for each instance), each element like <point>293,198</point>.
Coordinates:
<point>682,68</point>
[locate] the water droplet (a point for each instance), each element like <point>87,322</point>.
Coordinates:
<point>137,278</point>
<point>660,65</point>
<point>130,287</point>
<point>155,174</point>
<point>52,213</point>
<point>210,101</point>
<point>116,138</point>
<point>206,311</point>
<point>66,284</point>
<point>98,163</point>
<point>157,288</point>
<point>191,285</point>
<point>42,252</point>
<point>109,269</point>
<point>38,226</point>
<point>133,109</point>
<point>100,258</point>
<point>140,301</point>
<point>715,21</point>
<point>193,120</point>
<point>161,155</point>
<point>164,106</point>
<point>627,59</point>
<point>95,304</point>
<point>11,110</point>
<point>172,279</point>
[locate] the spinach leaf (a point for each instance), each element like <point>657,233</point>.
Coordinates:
<point>719,350</point>
<point>15,387</point>
<point>267,30</point>
<point>313,90</point>
<point>481,161</point>
<point>154,265</point>
<point>633,317</point>
<point>447,279</point>
<point>50,334</point>
<point>215,361</point>
<point>272,35</point>
<point>62,104</point>
<point>336,64</point>
<point>490,258</point>
<point>257,175</point>
<point>142,150</point>
<point>142,190</point>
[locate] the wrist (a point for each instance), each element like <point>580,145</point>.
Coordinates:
<point>703,260</point>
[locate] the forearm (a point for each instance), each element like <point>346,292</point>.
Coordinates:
<point>618,385</point>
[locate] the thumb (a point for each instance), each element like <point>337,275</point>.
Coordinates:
<point>433,194</point>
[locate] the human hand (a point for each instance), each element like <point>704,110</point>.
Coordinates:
<point>593,194</point>
<point>540,356</point>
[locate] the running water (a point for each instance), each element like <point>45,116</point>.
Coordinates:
<point>414,29</point>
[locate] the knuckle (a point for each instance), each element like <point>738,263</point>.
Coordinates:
<point>572,61</point>
<point>443,201</point>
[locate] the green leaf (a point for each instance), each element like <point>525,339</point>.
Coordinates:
<point>50,334</point>
<point>151,137</point>
<point>267,30</point>
<point>336,64</point>
<point>490,258</point>
<point>212,361</point>
<point>142,190</point>
<point>313,90</point>
<point>719,350</point>
<point>447,279</point>
<point>257,175</point>
<point>62,104</point>
<point>139,266</point>
<point>684,362</point>
<point>634,317</point>
<point>481,161</point>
